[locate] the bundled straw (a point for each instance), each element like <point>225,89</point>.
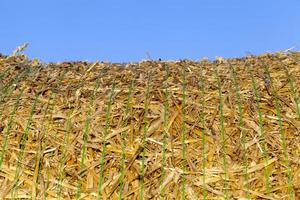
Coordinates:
<point>223,129</point>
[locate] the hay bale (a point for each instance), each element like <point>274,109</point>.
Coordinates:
<point>227,128</point>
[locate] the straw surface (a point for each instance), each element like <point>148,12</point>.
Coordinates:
<point>223,129</point>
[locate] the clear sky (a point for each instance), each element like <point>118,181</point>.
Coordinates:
<point>131,30</point>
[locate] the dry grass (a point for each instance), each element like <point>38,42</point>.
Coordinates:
<point>227,129</point>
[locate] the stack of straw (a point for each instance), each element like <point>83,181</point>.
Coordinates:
<point>223,129</point>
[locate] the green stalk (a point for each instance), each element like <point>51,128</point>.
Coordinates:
<point>86,132</point>
<point>165,124</point>
<point>223,151</point>
<point>145,130</point>
<point>124,135</point>
<point>22,145</point>
<point>6,91</point>
<point>9,126</point>
<point>282,134</point>
<point>40,147</point>
<point>183,133</point>
<point>261,129</point>
<point>291,80</point>
<point>64,158</point>
<point>242,128</point>
<point>102,161</point>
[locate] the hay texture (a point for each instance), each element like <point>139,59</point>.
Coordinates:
<point>222,129</point>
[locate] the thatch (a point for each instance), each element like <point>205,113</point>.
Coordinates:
<point>227,128</point>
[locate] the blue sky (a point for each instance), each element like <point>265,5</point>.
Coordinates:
<point>131,30</point>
